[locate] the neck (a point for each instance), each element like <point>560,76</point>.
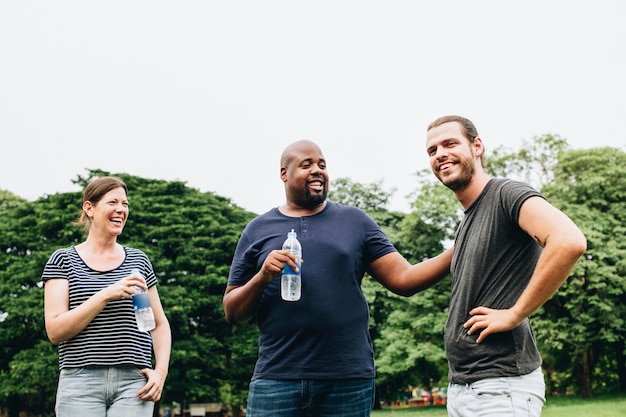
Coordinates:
<point>470,193</point>
<point>293,210</point>
<point>99,244</point>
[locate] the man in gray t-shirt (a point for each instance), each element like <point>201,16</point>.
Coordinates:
<point>512,252</point>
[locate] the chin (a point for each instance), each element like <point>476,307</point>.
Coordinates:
<point>315,200</point>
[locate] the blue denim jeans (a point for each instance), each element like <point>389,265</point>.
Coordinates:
<point>314,398</point>
<point>99,391</point>
<point>520,396</point>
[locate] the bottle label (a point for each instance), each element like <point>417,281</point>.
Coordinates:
<point>287,270</point>
<point>141,300</point>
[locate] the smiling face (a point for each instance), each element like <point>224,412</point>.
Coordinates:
<point>453,158</point>
<point>109,214</point>
<point>303,170</point>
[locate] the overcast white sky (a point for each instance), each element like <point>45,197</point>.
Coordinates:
<point>211,92</point>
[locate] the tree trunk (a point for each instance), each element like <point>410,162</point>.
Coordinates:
<point>583,374</point>
<point>621,367</point>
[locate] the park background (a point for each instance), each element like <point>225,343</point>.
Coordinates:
<point>191,235</point>
<point>192,102</point>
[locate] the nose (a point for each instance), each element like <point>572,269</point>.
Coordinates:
<point>316,168</point>
<point>439,153</point>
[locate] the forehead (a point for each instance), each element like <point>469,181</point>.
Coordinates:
<point>304,151</point>
<point>445,131</point>
<point>117,192</point>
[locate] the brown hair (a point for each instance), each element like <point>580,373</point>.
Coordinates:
<point>467,128</point>
<point>94,191</point>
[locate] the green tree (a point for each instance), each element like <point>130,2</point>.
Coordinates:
<point>190,237</point>
<point>407,332</point>
<point>534,162</point>
<point>583,326</point>
<point>9,200</point>
<point>580,329</point>
<point>370,197</point>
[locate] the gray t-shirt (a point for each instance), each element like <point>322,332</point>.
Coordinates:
<point>492,264</point>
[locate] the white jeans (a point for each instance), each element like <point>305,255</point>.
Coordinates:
<point>519,396</point>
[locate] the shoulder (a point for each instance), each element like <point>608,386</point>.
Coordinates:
<point>60,255</point>
<point>134,254</point>
<point>59,263</point>
<point>513,194</point>
<point>337,214</point>
<point>262,221</point>
<point>510,185</point>
<point>134,251</point>
<point>338,208</point>
<point>512,189</point>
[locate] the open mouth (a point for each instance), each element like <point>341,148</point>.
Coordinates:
<point>445,166</point>
<point>316,185</point>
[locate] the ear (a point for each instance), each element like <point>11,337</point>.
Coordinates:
<point>88,208</point>
<point>283,174</point>
<point>479,149</point>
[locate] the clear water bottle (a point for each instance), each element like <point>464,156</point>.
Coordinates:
<point>291,281</point>
<point>143,309</point>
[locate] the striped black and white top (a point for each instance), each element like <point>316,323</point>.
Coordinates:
<point>112,338</point>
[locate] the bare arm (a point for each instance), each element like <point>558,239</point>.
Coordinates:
<point>162,345</point>
<point>398,275</point>
<point>563,243</point>
<point>240,302</point>
<point>62,323</point>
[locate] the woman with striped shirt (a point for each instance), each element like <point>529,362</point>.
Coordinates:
<point>105,362</point>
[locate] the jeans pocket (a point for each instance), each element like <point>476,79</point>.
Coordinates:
<point>490,388</point>
<point>70,372</point>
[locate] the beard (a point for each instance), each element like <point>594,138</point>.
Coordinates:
<point>462,179</point>
<point>314,200</point>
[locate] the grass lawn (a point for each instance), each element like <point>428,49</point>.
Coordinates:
<point>605,406</point>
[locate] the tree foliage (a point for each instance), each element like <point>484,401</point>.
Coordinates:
<point>407,332</point>
<point>370,197</point>
<point>580,330</point>
<point>409,345</point>
<point>534,162</point>
<point>189,236</point>
<point>587,316</point>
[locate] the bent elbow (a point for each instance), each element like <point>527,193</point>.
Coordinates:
<point>229,313</point>
<point>54,339</point>
<point>578,246</point>
<point>232,318</point>
<point>229,317</point>
<point>582,248</point>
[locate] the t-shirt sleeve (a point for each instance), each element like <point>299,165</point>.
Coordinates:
<point>243,266</point>
<point>377,243</point>
<point>56,266</point>
<point>514,194</point>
